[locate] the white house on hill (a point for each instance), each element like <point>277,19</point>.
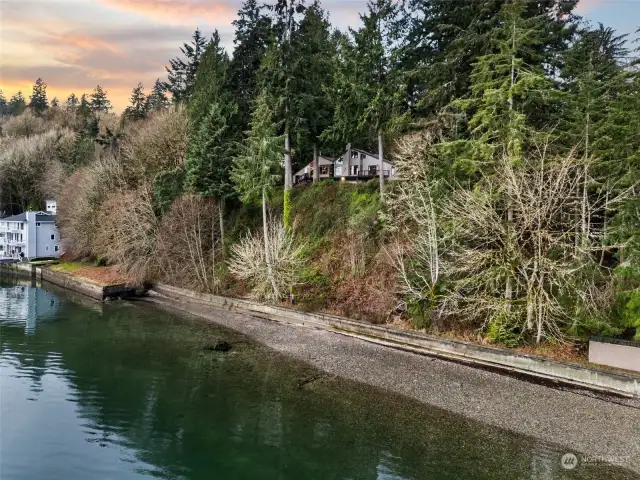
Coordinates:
<point>353,166</point>
<point>30,235</point>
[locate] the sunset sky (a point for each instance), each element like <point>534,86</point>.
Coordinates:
<point>76,44</point>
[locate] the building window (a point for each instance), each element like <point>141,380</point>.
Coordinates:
<point>324,169</point>
<point>53,237</point>
<point>46,248</point>
<point>37,224</point>
<point>354,169</point>
<point>57,248</point>
<point>354,154</point>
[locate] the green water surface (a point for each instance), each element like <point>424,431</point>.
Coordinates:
<point>125,391</point>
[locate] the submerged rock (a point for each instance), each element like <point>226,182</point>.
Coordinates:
<point>219,346</point>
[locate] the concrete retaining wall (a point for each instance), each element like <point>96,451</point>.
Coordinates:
<point>74,284</point>
<point>530,365</point>
<point>616,355</point>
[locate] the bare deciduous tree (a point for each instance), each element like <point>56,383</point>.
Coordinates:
<point>249,261</point>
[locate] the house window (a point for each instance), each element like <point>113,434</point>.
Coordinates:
<point>355,169</point>
<point>354,154</point>
<point>37,224</point>
<point>53,237</point>
<point>324,169</point>
<point>46,248</point>
<point>362,156</point>
<point>56,248</point>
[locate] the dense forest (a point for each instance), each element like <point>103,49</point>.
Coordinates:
<point>514,127</point>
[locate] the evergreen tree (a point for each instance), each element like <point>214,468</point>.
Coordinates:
<point>369,91</point>
<point>38,103</point>
<point>252,34</point>
<point>17,104</point>
<point>84,107</point>
<point>506,93</point>
<point>55,103</point>
<point>181,72</point>
<point>157,100</point>
<point>4,105</point>
<point>212,111</point>
<point>138,108</point>
<point>443,40</point>
<point>99,102</point>
<point>211,82</point>
<point>72,102</point>
<point>257,168</point>
<point>278,80</point>
<point>314,54</point>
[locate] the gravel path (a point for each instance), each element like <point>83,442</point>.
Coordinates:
<point>577,420</point>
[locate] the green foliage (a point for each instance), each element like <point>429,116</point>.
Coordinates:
<point>157,99</point>
<point>17,104</point>
<point>257,167</point>
<point>139,107</point>
<point>251,40</point>
<point>368,92</point>
<point>286,217</point>
<point>502,332</point>
<point>181,72</point>
<point>99,103</point>
<point>167,187</point>
<point>39,103</point>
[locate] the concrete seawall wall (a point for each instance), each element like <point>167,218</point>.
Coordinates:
<point>586,377</point>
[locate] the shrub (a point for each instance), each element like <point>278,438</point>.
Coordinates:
<point>159,144</point>
<point>248,262</point>
<point>127,233</point>
<point>189,243</point>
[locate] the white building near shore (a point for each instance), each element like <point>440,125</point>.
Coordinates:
<point>30,235</point>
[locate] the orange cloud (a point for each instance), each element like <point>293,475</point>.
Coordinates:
<point>212,11</point>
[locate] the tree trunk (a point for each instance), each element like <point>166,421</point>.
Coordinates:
<point>381,161</point>
<point>265,227</point>
<point>221,214</point>
<point>316,167</point>
<point>288,180</point>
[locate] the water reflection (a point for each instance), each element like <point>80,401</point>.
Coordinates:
<point>130,392</point>
<point>22,304</point>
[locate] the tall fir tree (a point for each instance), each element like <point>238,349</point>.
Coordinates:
<point>17,104</point>
<point>211,143</point>
<point>369,92</point>
<point>314,64</point>
<point>157,99</point>
<point>99,103</point>
<point>38,102</point>
<point>252,33</point>
<point>443,39</point>
<point>278,78</point>
<point>181,72</point>
<point>257,167</point>
<point>138,106</point>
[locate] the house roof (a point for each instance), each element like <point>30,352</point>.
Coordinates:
<point>22,217</point>
<point>16,218</point>
<point>374,155</point>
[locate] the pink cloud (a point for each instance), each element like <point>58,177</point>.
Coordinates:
<point>212,11</point>
<point>585,6</point>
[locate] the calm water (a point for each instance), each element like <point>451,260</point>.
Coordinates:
<point>126,391</point>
